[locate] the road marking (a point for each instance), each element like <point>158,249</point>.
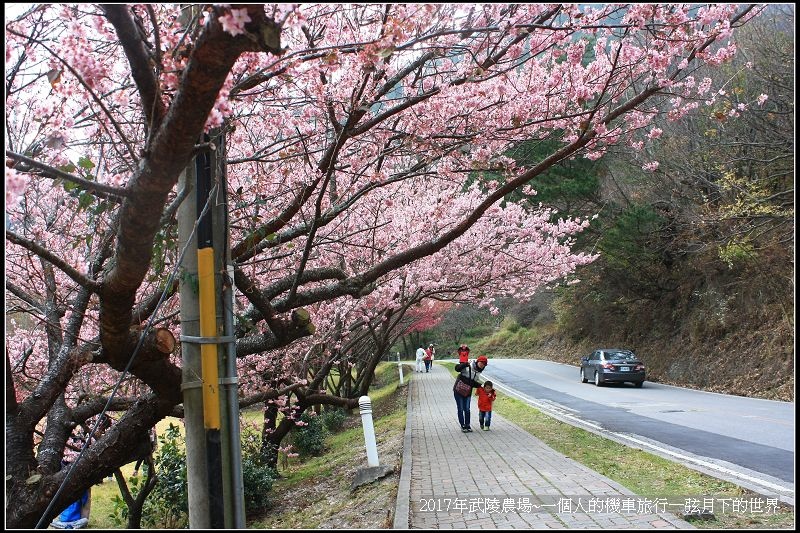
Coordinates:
<point>643,444</point>
<point>775,420</point>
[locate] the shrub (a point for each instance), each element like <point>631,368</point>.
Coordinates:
<point>168,505</point>
<point>119,509</point>
<point>510,324</point>
<point>309,439</point>
<point>737,252</point>
<point>257,479</point>
<point>334,419</point>
<point>257,475</point>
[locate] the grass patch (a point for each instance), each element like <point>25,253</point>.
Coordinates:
<point>641,472</point>
<point>102,506</point>
<point>509,341</point>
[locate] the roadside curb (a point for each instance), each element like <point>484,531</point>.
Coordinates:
<point>402,509</point>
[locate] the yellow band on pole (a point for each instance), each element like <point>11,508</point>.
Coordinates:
<point>208,328</point>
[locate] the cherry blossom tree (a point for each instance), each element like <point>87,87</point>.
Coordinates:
<point>359,139</point>
<point>420,320</point>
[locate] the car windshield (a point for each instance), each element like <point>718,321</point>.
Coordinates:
<point>620,356</point>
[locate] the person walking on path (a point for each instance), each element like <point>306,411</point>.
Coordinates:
<point>463,353</point>
<point>486,396</point>
<point>462,388</point>
<point>419,358</point>
<point>428,357</point>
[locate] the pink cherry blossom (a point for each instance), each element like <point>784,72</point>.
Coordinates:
<point>234,21</point>
<point>15,187</point>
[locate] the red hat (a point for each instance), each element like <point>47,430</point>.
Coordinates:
<point>483,358</point>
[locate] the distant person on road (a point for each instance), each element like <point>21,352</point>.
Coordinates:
<point>428,357</point>
<point>463,353</point>
<point>462,389</point>
<point>420,358</point>
<point>486,396</point>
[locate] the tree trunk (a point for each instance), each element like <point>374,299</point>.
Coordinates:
<point>268,449</point>
<point>273,441</point>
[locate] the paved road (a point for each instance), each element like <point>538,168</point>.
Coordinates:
<point>503,478</point>
<point>751,437</point>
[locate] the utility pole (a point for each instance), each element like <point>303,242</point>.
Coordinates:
<point>191,383</point>
<point>210,385</point>
<point>209,354</point>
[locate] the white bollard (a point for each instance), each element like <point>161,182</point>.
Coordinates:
<point>400,366</point>
<point>365,406</point>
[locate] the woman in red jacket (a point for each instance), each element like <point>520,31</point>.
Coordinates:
<point>429,354</point>
<point>463,353</point>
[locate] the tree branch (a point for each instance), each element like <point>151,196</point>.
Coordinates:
<point>139,59</point>
<point>56,261</point>
<point>173,143</point>
<point>25,297</point>
<point>147,307</point>
<point>101,191</point>
<point>273,394</point>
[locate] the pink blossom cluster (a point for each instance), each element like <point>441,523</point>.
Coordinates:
<point>234,21</point>
<point>15,187</point>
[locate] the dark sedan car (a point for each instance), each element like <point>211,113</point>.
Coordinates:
<point>612,365</point>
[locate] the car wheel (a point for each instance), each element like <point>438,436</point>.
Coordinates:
<point>583,377</point>
<point>597,378</point>
<point>639,384</point>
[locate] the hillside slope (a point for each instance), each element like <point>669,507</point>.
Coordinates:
<point>724,331</point>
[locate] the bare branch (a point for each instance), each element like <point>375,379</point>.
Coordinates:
<point>50,257</point>
<point>139,59</point>
<point>101,191</point>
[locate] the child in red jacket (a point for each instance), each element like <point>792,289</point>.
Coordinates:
<point>486,396</point>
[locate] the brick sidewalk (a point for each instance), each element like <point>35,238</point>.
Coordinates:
<point>503,478</point>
